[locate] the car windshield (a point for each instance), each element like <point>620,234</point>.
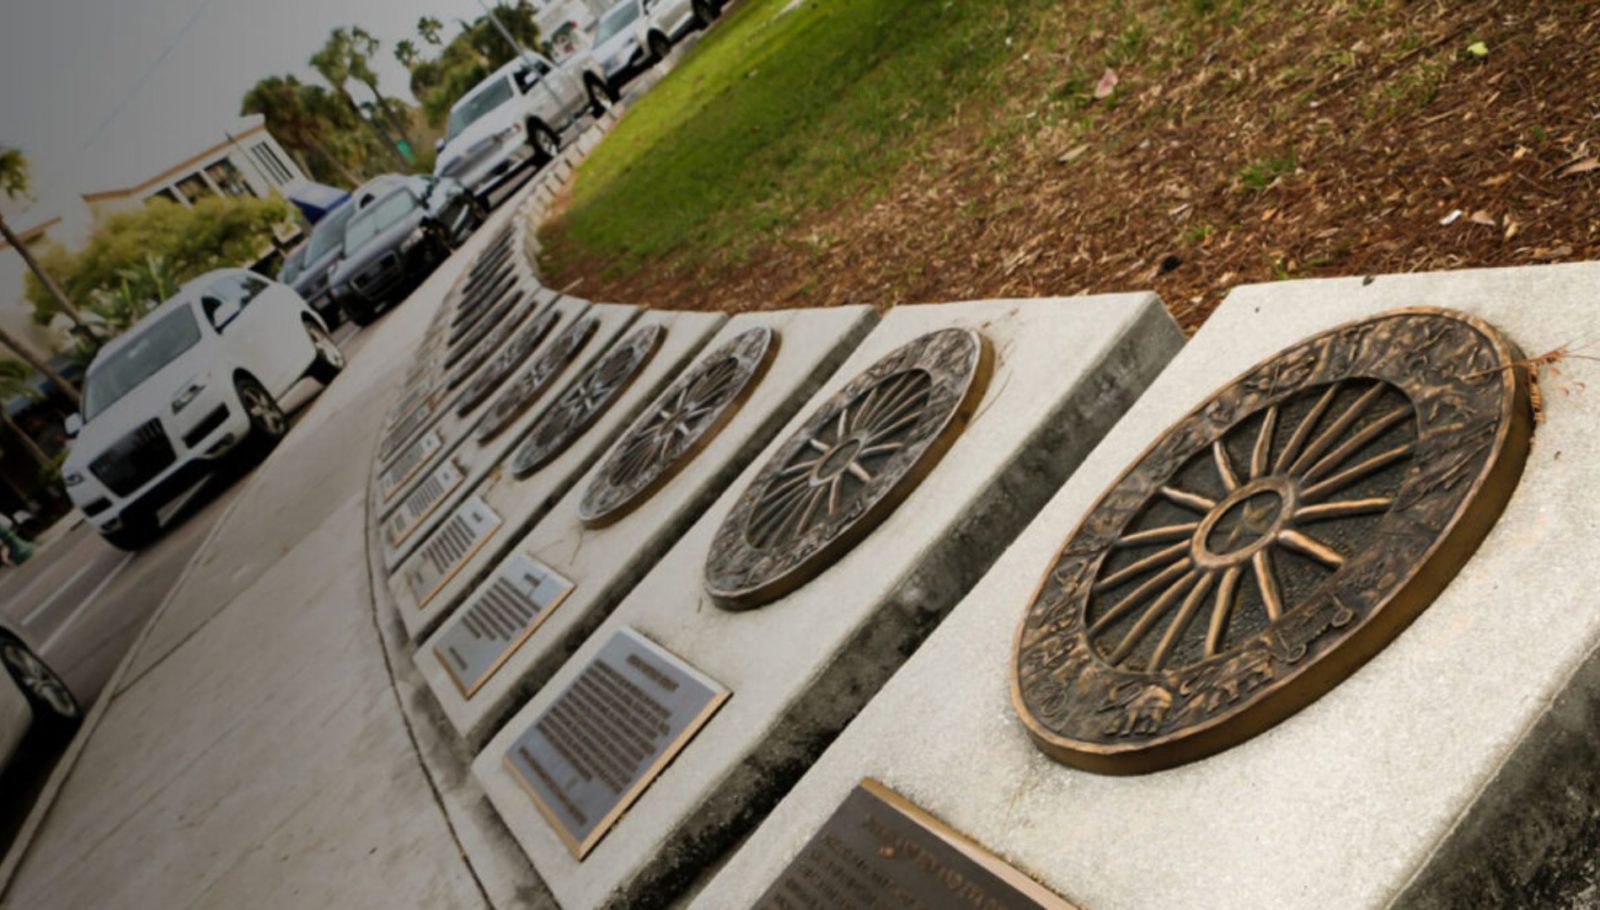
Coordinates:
<point>329,233</point>
<point>292,264</point>
<point>377,218</point>
<point>139,358</point>
<point>476,105</point>
<point>621,16</point>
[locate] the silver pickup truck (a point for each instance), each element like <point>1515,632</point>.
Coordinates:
<point>514,119</point>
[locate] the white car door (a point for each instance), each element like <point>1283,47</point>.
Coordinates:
<point>251,334</point>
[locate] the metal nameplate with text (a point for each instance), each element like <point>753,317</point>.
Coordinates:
<point>449,548</point>
<point>495,623</point>
<point>595,749</point>
<point>878,850</point>
<point>409,463</point>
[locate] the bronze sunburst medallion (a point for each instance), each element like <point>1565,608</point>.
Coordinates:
<point>1272,541</point>
<point>590,395</point>
<point>506,359</point>
<point>854,459</point>
<point>528,387</point>
<point>676,427</point>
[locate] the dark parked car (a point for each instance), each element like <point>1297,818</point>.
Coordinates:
<point>400,232</point>
<point>317,258</point>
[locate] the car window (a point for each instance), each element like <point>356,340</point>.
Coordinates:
<point>469,109</point>
<point>329,232</point>
<point>242,288</point>
<point>620,17</point>
<point>292,265</point>
<point>145,351</point>
<point>377,218</point>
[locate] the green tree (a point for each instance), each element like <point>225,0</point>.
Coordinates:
<point>430,29</point>
<point>332,62</point>
<point>14,376</point>
<point>156,248</point>
<point>14,182</point>
<point>302,121</point>
<point>478,50</point>
<point>406,52</point>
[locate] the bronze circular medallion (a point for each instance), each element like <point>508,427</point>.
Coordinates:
<point>589,397</point>
<point>1272,541</point>
<point>506,360</point>
<point>846,469</point>
<point>491,287</point>
<point>675,427</point>
<point>493,342</point>
<point>527,388</point>
<point>465,337</point>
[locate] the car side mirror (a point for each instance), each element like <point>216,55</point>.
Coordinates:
<point>438,145</point>
<point>74,425</point>
<point>227,312</point>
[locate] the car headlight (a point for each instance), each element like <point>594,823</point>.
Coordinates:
<point>190,393</point>
<point>72,478</point>
<point>413,239</point>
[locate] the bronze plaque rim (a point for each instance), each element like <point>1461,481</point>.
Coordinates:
<point>1359,639</point>
<point>740,577</point>
<point>754,350</point>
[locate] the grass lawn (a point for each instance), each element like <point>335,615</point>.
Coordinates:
<point>889,151</point>
<point>779,112</point>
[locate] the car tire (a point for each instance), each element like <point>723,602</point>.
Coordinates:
<point>546,144</point>
<point>660,47</point>
<point>601,97</point>
<point>268,423</point>
<point>705,13</point>
<point>362,314</point>
<point>330,360</point>
<point>52,702</point>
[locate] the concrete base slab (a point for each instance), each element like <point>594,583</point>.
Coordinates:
<point>604,563</point>
<point>451,427</point>
<point>1353,801</point>
<point>475,459</point>
<point>517,504</point>
<point>800,667</point>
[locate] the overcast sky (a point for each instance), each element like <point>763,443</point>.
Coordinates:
<point>86,93</point>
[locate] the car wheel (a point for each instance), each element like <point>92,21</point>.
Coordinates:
<point>545,144</point>
<point>660,47</point>
<point>704,13</point>
<point>267,421</point>
<point>330,360</point>
<point>362,314</point>
<point>48,695</point>
<point>601,97</point>
<point>137,530</point>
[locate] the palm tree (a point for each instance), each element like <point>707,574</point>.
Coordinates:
<point>14,182</point>
<point>430,28</point>
<point>283,102</point>
<point>333,62</point>
<point>406,52</point>
<point>14,384</point>
<point>361,47</point>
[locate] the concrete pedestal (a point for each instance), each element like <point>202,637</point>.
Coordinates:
<point>1457,768</point>
<point>475,459</point>
<point>800,667</point>
<point>517,504</point>
<point>604,563</point>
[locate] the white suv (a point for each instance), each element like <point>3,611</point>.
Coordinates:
<point>634,35</point>
<point>194,379</point>
<point>515,118</point>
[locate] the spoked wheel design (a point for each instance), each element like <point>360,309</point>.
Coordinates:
<point>42,686</point>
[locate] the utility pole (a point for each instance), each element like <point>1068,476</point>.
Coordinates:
<point>523,53</point>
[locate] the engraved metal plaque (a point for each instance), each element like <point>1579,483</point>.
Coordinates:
<point>589,755</point>
<point>588,397</point>
<point>494,624</point>
<point>1272,541</point>
<point>499,332</point>
<point>397,475</point>
<point>407,428</point>
<point>676,427</point>
<point>879,851</point>
<point>533,383</point>
<point>847,468</point>
<point>420,502</point>
<point>449,548</point>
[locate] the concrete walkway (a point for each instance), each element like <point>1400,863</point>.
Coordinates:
<point>254,753</point>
